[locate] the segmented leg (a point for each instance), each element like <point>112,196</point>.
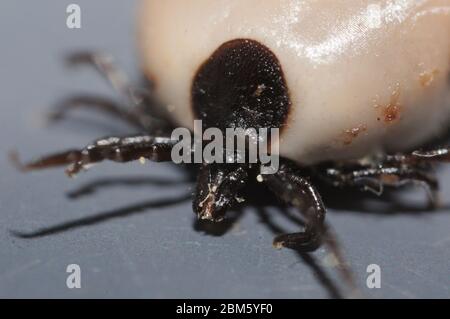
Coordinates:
<point>440,155</point>
<point>420,157</point>
<point>141,101</point>
<point>101,104</point>
<point>104,64</point>
<point>294,189</point>
<point>117,149</point>
<point>290,186</point>
<point>374,179</point>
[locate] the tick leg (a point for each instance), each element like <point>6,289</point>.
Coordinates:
<point>438,155</point>
<point>105,65</point>
<point>117,149</point>
<point>100,104</point>
<point>142,102</point>
<point>375,179</point>
<point>296,190</point>
<point>290,186</point>
<point>419,158</point>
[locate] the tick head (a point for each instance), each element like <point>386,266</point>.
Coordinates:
<point>217,190</point>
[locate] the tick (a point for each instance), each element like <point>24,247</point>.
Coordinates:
<point>353,89</point>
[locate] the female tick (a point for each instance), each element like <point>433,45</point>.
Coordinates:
<point>352,87</point>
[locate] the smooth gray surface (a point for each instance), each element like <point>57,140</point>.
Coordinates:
<point>157,252</point>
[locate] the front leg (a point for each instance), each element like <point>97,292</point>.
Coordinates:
<point>117,149</point>
<point>290,186</point>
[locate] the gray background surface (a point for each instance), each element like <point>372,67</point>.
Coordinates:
<point>140,248</point>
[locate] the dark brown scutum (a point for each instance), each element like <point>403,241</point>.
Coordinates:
<point>241,85</point>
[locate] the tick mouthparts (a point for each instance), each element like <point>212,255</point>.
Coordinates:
<point>207,211</point>
<point>205,214</point>
<point>210,218</point>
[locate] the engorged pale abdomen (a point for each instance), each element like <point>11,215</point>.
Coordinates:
<point>361,78</point>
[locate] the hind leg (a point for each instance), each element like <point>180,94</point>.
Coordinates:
<point>129,116</point>
<point>142,111</point>
<point>393,171</point>
<point>106,67</point>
